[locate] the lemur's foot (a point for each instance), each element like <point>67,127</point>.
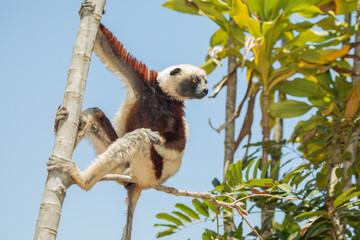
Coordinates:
<point>154,136</point>
<point>86,8</point>
<point>61,114</point>
<point>61,164</point>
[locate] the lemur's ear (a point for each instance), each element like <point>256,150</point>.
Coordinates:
<point>175,71</point>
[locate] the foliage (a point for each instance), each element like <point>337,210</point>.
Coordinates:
<point>306,63</point>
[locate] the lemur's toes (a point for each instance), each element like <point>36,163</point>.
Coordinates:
<point>154,137</point>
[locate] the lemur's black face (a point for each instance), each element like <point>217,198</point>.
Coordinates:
<point>193,87</point>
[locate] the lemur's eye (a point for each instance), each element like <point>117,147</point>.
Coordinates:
<point>195,80</point>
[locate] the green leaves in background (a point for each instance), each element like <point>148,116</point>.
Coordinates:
<point>289,109</point>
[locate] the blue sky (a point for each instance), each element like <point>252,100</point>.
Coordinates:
<point>36,46</point>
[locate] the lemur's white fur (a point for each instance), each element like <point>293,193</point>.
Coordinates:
<point>169,83</point>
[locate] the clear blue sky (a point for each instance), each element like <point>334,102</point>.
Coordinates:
<point>36,46</point>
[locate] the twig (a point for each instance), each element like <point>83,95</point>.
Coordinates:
<point>203,195</point>
<point>266,195</point>
<point>248,223</point>
<point>237,204</point>
<point>238,110</point>
<point>217,221</point>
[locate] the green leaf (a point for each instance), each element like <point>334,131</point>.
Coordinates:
<point>170,226</point>
<point>266,182</point>
<point>235,174</point>
<point>230,178</point>
<point>265,169</point>
<point>164,233</point>
<point>238,233</point>
<point>168,217</point>
<point>300,88</point>
<point>182,216</point>
<point>181,6</point>
<point>325,80</point>
<point>210,205</point>
<point>208,66</point>
<point>220,37</point>
<point>191,213</point>
<point>248,170</point>
<point>306,37</point>
<point>288,109</point>
<point>285,187</point>
<point>239,170</point>
<point>288,176</point>
<point>215,182</point>
<point>344,197</point>
<point>312,214</point>
<point>208,235</point>
<point>256,168</point>
<point>240,14</point>
<point>219,5</point>
<point>200,207</point>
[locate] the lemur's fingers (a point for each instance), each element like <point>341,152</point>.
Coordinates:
<point>61,114</point>
<point>154,136</point>
<point>61,164</point>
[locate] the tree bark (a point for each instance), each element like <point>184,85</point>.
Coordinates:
<point>58,182</point>
<point>230,128</point>
<point>269,208</point>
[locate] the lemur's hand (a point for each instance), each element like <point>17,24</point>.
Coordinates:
<point>61,114</point>
<point>61,164</point>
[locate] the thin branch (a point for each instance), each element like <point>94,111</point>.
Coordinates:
<point>239,211</point>
<point>203,195</point>
<point>237,204</point>
<point>217,222</point>
<point>238,110</point>
<point>266,195</point>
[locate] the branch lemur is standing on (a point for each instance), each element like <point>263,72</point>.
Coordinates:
<point>149,135</point>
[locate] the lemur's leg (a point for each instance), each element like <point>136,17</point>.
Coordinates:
<point>93,124</point>
<point>132,147</point>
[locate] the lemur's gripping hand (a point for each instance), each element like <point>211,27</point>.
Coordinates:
<point>68,166</point>
<point>61,164</point>
<point>61,114</point>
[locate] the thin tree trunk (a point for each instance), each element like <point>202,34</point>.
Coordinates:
<point>337,228</point>
<point>351,147</point>
<point>230,128</point>
<point>269,208</point>
<point>334,160</point>
<point>266,211</point>
<point>58,182</point>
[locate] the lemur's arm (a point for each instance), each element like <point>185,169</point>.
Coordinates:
<point>93,124</point>
<point>118,60</point>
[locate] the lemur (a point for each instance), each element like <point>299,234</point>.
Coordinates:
<point>149,135</point>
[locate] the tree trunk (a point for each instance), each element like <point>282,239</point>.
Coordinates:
<point>351,147</point>
<point>58,182</point>
<point>266,211</point>
<point>269,208</point>
<point>230,128</point>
